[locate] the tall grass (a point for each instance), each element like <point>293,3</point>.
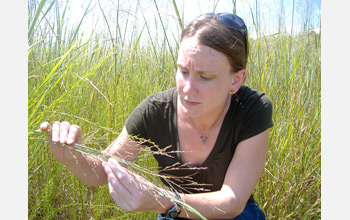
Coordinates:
<point>290,186</point>
<point>96,80</point>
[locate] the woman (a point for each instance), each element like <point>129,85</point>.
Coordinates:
<point>210,121</point>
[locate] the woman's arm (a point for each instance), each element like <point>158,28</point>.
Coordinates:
<point>87,169</point>
<point>133,193</point>
<point>241,178</point>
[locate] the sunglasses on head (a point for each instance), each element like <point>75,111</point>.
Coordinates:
<point>232,21</point>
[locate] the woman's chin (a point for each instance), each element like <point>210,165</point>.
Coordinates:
<point>191,112</point>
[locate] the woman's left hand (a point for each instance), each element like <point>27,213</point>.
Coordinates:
<point>130,191</point>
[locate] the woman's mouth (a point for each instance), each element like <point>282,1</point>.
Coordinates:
<point>190,103</point>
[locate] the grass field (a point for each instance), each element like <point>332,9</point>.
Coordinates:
<point>96,82</point>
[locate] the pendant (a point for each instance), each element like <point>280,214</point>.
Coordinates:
<point>204,139</point>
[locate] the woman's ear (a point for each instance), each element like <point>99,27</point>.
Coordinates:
<point>238,79</point>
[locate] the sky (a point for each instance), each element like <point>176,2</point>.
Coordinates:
<point>272,16</point>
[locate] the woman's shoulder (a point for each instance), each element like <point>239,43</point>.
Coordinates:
<point>150,113</point>
<point>252,97</point>
<point>159,101</point>
<point>165,96</point>
<point>254,112</point>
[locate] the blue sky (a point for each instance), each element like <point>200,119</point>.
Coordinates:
<point>270,13</point>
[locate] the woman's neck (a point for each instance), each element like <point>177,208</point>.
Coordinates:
<point>206,123</point>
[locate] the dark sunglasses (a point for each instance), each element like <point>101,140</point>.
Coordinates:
<point>232,21</point>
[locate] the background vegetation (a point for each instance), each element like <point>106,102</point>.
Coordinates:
<point>96,79</point>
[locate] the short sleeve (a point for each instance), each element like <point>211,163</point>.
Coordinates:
<point>136,123</point>
<point>258,117</point>
<point>152,119</point>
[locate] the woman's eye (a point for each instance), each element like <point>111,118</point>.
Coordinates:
<point>205,78</point>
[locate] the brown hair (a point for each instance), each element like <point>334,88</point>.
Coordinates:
<point>213,33</point>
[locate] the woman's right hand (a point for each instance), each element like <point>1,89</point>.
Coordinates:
<point>64,133</point>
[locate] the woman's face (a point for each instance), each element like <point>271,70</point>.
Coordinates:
<point>203,79</point>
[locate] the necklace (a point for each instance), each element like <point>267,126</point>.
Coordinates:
<point>205,137</point>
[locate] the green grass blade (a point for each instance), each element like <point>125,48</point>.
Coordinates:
<point>47,79</point>
<point>37,14</point>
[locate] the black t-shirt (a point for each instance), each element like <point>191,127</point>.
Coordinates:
<point>155,119</point>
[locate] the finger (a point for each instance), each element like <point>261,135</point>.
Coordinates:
<point>44,126</point>
<point>122,202</point>
<point>56,131</point>
<point>64,129</point>
<point>125,177</point>
<point>118,186</point>
<point>74,135</point>
<point>117,190</point>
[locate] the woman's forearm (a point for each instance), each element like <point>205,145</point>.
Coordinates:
<point>222,204</point>
<point>88,170</point>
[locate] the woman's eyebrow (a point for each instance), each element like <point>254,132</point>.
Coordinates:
<point>198,71</point>
<point>206,72</point>
<point>180,65</point>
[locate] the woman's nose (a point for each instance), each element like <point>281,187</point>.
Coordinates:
<point>190,85</point>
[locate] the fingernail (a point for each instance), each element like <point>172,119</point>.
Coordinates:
<point>70,141</point>
<point>112,160</point>
<point>104,164</point>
